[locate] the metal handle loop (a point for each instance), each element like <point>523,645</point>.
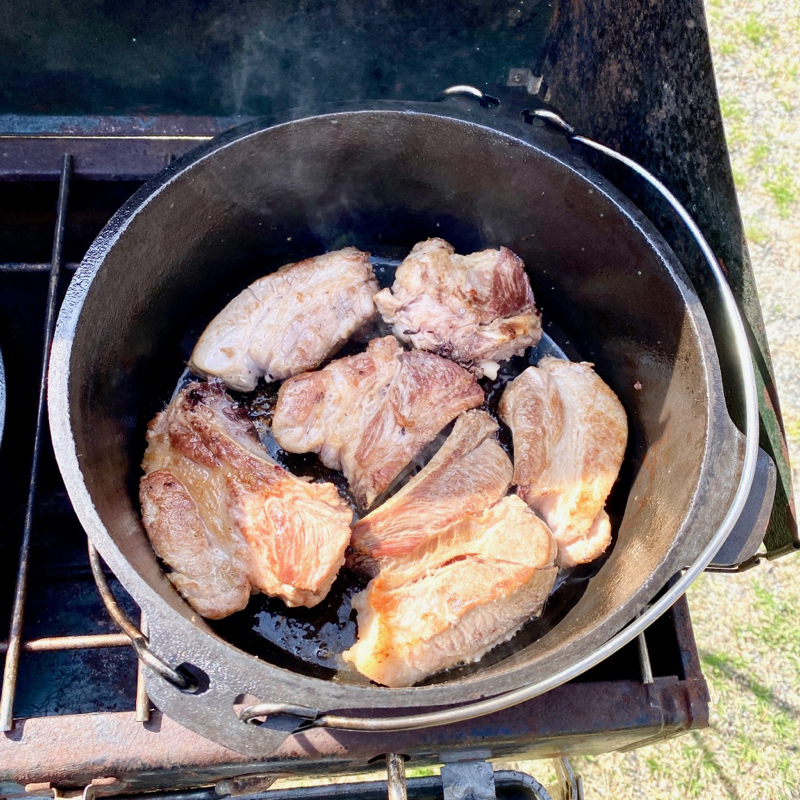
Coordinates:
<point>141,644</point>
<point>666,600</point>
<point>465,90</point>
<point>253,712</point>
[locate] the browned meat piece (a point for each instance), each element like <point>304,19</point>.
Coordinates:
<point>570,433</point>
<point>226,518</point>
<point>456,597</point>
<point>371,414</point>
<point>477,310</point>
<point>469,473</point>
<point>214,582</point>
<point>288,322</point>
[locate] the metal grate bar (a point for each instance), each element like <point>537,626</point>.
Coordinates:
<point>84,642</point>
<point>142,700</point>
<point>644,659</point>
<point>11,670</point>
<point>35,266</point>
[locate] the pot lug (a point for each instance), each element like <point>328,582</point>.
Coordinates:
<point>740,548</point>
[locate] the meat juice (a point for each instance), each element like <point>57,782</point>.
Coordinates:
<point>311,640</point>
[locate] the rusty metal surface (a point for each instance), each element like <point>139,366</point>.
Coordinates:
<point>592,716</point>
<point>166,126</point>
<point>89,642</point>
<point>41,745</point>
<point>72,750</point>
<point>124,158</point>
<point>11,664</point>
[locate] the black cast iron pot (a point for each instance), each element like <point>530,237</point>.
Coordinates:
<point>610,290</point>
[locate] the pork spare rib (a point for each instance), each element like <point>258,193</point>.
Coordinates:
<point>288,322</point>
<point>569,433</point>
<point>229,520</point>
<point>477,310</point>
<point>470,472</point>
<point>456,597</point>
<point>370,414</point>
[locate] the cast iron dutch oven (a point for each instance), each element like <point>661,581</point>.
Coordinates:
<point>611,292</point>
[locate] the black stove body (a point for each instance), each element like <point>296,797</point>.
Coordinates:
<point>96,99</point>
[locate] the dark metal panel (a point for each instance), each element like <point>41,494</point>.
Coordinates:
<point>638,77</point>
<point>253,57</point>
<point>97,158</point>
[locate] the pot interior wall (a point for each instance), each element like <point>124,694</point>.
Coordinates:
<point>381,182</point>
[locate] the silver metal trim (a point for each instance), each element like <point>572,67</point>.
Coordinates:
<point>554,119</point>
<point>570,785</point>
<point>644,659</point>
<point>142,712</point>
<point>50,644</point>
<point>463,89</point>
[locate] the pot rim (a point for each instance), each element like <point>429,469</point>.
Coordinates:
<point>351,695</point>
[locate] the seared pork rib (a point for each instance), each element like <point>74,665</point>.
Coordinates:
<point>477,310</point>
<point>370,414</point>
<point>228,519</point>
<point>570,432</point>
<point>288,322</point>
<point>456,597</point>
<point>469,473</point>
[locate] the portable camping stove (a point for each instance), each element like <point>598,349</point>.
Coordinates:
<point>638,79</point>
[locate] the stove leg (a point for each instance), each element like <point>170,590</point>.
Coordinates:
<point>396,776</point>
<point>571,786</point>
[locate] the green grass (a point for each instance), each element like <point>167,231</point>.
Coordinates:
<point>792,426</point>
<point>777,625</point>
<point>723,663</point>
<point>756,232</point>
<point>422,772</point>
<point>656,767</point>
<point>734,115</point>
<point>701,767</point>
<point>732,109</point>
<point>755,31</point>
<point>759,154</point>
<point>784,191</point>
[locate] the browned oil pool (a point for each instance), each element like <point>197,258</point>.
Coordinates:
<point>311,641</point>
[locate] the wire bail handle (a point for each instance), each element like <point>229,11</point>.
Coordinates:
<point>180,678</point>
<point>308,717</point>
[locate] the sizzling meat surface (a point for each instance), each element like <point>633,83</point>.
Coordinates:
<point>477,310</point>
<point>370,414</point>
<point>455,598</point>
<point>288,322</point>
<point>469,473</point>
<point>570,432</point>
<point>228,519</point>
